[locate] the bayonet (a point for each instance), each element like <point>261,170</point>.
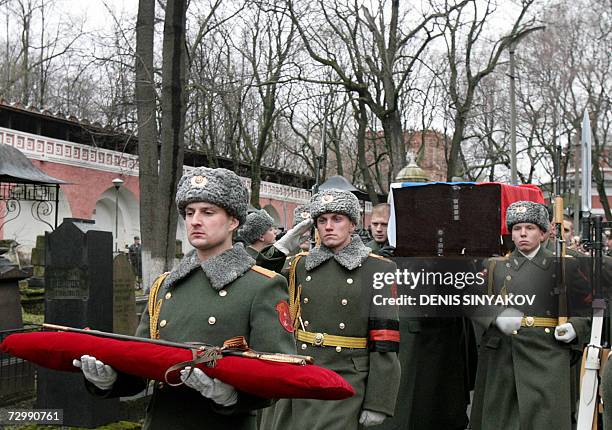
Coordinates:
<point>585,145</point>
<point>591,237</point>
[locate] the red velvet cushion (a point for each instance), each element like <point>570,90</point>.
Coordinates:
<point>56,350</point>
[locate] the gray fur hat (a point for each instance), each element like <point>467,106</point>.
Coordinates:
<point>300,213</point>
<point>257,223</point>
<point>526,211</point>
<point>336,201</point>
<point>221,187</point>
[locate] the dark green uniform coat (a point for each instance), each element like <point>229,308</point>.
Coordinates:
<point>211,302</point>
<point>436,357</point>
<point>523,380</point>
<point>335,299</point>
<point>382,249</point>
<point>438,362</point>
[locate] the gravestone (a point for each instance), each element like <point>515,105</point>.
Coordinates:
<point>10,304</point>
<point>16,375</point>
<point>78,293</point>
<point>38,264</point>
<point>124,299</point>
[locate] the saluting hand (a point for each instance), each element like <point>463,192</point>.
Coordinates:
<point>292,239</point>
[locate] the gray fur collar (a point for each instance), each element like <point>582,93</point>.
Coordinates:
<point>220,269</point>
<point>349,257</point>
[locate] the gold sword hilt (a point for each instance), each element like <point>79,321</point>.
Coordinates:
<point>280,358</point>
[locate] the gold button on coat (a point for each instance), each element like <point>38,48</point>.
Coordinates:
<point>529,321</point>
<point>344,302</point>
<point>508,278</point>
<point>168,296</point>
<point>547,330</point>
<point>304,346</point>
<point>514,332</point>
<point>305,299</point>
<point>338,349</point>
<point>162,323</point>
<point>308,278</point>
<point>349,281</point>
<point>212,320</point>
<point>306,323</point>
<point>223,293</point>
<point>341,325</point>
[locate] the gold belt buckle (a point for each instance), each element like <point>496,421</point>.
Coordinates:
<point>318,339</point>
<point>529,321</point>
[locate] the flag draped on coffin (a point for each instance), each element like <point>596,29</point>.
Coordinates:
<point>452,203</point>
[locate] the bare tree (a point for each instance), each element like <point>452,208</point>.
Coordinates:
<point>370,53</point>
<point>29,60</point>
<point>566,70</point>
<point>266,46</point>
<point>160,169</point>
<point>463,32</point>
<point>155,252</point>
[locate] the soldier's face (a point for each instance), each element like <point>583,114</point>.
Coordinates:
<point>379,226</point>
<point>527,236</point>
<point>568,231</point>
<point>208,225</point>
<point>335,230</point>
<point>269,237</point>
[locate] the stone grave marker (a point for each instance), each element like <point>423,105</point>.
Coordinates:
<point>78,293</point>
<point>124,299</point>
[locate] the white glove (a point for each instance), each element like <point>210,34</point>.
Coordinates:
<point>509,321</point>
<point>219,392</point>
<point>101,375</point>
<point>371,418</point>
<point>292,239</point>
<point>565,333</point>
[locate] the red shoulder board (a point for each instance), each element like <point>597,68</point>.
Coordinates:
<point>282,308</point>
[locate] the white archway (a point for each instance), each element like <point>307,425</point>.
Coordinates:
<point>125,205</point>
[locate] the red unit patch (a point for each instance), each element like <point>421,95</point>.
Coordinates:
<point>282,307</point>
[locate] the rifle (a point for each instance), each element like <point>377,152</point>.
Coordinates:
<point>559,240</point>
<point>591,234</point>
<point>236,346</point>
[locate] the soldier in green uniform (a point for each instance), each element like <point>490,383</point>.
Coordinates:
<point>378,224</point>
<point>338,324</point>
<point>523,377</point>
<point>215,293</point>
<point>258,232</point>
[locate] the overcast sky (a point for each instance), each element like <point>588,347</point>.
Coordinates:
<point>96,11</point>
